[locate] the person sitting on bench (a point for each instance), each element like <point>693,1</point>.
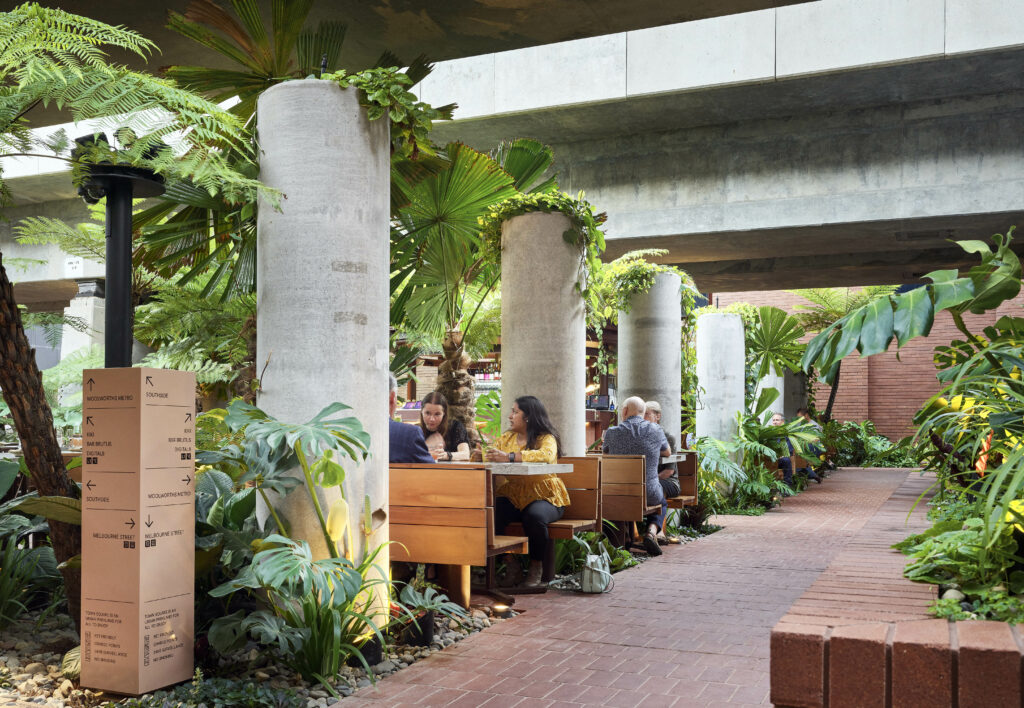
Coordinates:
<point>636,436</point>
<point>533,500</point>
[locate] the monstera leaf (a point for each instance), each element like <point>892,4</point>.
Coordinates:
<point>871,328</point>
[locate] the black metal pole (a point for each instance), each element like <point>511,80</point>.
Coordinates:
<point>118,320</point>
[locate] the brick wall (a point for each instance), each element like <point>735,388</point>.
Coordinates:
<point>882,388</point>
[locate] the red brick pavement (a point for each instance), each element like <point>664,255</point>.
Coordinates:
<point>690,628</point>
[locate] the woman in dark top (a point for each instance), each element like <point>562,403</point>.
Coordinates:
<point>446,437</point>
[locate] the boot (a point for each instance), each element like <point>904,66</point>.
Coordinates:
<point>534,575</point>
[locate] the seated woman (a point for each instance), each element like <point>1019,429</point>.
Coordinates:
<point>533,500</point>
<point>446,437</point>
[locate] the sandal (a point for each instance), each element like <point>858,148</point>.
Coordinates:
<point>651,545</point>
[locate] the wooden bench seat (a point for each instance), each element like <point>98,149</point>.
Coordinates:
<point>444,514</point>
<point>687,471</point>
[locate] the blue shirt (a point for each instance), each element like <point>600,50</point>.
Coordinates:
<point>636,436</point>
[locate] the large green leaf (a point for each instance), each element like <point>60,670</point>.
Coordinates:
<point>952,292</point>
<point>849,335</point>
<point>63,509</point>
<point>914,315</point>
<point>997,278</point>
<point>774,340</point>
<point>877,329</point>
<point>527,160</point>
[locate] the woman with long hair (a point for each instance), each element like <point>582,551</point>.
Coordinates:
<point>533,500</point>
<point>446,437</point>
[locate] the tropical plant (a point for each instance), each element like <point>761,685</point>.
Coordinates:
<point>828,307</point>
<point>216,340</point>
<point>441,284</point>
<point>429,599</point>
<point>49,56</point>
<point>773,341</point>
<point>195,232</point>
<point>316,613</point>
<point>270,448</point>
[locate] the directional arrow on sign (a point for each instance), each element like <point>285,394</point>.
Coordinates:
<point>89,485</point>
<point>188,417</point>
<point>91,381</point>
<point>149,380</point>
<point>149,521</point>
<point>88,420</point>
<point>130,522</point>
<point>187,480</point>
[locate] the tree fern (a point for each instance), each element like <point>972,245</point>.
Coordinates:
<point>49,56</point>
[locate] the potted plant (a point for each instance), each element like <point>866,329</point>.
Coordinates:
<point>416,610</point>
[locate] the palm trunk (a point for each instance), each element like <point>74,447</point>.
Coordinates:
<point>454,381</point>
<point>827,416</point>
<point>22,385</point>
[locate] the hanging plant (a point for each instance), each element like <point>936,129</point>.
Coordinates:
<point>584,232</point>
<point>385,92</point>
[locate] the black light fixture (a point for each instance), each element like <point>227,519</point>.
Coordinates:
<point>119,184</point>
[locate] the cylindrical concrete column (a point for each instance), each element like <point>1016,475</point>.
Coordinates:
<point>776,380</point>
<point>720,374</point>
<point>543,329</point>
<point>650,349</point>
<point>322,275</point>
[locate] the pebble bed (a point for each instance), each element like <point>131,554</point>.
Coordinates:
<point>30,659</point>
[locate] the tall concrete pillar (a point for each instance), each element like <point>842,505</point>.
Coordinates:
<point>720,374</point>
<point>322,275</point>
<point>650,349</point>
<point>795,394</point>
<point>89,305</point>
<point>543,330</point>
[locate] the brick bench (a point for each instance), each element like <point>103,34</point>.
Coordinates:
<point>861,635</point>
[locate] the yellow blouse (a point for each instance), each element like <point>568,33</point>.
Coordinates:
<point>526,489</point>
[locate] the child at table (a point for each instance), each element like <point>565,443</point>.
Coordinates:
<point>533,500</point>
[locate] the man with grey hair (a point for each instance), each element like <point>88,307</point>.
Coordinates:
<point>668,473</point>
<point>405,442</point>
<point>636,436</point>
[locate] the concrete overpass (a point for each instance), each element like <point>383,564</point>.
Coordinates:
<point>840,142</point>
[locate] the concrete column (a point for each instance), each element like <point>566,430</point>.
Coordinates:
<point>650,349</point>
<point>795,394</point>
<point>776,380</point>
<point>322,274</point>
<point>720,372</point>
<point>90,305</point>
<point>543,330</point>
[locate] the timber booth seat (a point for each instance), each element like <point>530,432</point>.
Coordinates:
<point>624,491</point>
<point>444,514</point>
<point>583,512</point>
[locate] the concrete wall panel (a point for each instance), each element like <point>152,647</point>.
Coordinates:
<point>570,72</point>
<point>468,82</point>
<point>695,54</point>
<point>973,25</point>
<point>837,34</point>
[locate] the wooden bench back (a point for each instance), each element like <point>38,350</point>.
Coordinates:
<point>440,513</point>
<point>688,474</point>
<point>623,488</point>
<point>584,487</point>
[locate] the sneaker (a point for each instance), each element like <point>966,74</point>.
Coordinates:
<point>651,545</point>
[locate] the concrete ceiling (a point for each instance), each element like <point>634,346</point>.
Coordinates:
<point>843,255</point>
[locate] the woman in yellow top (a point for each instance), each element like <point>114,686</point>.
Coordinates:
<point>533,500</point>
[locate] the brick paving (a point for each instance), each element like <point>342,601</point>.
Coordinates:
<point>690,628</point>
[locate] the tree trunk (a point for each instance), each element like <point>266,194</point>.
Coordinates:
<point>827,416</point>
<point>22,386</point>
<point>454,381</point>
